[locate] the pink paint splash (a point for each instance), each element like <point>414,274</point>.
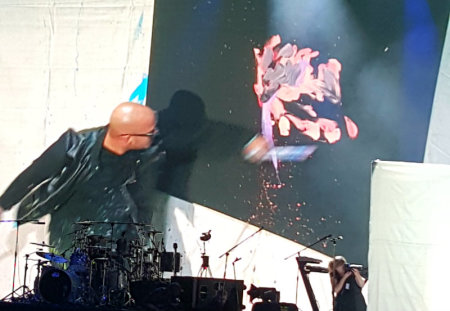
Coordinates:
<point>285,74</point>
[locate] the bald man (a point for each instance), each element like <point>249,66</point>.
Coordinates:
<point>131,127</point>
<point>88,175</point>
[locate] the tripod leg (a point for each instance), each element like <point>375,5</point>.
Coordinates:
<point>200,272</point>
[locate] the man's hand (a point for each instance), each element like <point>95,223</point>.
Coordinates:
<point>255,149</point>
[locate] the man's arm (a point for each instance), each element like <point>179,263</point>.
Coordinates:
<point>50,162</point>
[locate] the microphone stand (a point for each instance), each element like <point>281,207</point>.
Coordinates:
<point>18,222</point>
<point>227,253</point>
<point>333,240</point>
<point>298,254</point>
<point>308,246</point>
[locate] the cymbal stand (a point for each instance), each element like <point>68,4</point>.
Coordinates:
<point>154,248</point>
<point>24,286</point>
<point>39,270</point>
<point>17,222</point>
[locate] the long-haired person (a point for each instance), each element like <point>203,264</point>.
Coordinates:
<point>346,284</point>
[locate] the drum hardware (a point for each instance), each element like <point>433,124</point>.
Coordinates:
<point>88,223</point>
<point>26,291</point>
<point>109,281</point>
<point>42,244</point>
<point>52,257</point>
<point>97,251</point>
<point>101,294</point>
<point>117,283</point>
<point>24,286</point>
<point>100,268</point>
<point>17,223</point>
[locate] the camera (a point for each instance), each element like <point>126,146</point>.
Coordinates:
<point>349,266</point>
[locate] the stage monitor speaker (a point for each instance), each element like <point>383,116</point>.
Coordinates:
<point>210,294</point>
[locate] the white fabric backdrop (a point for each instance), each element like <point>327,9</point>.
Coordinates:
<point>409,237</point>
<point>438,142</point>
<point>63,64</point>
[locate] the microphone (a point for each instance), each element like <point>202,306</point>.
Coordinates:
<point>326,237</point>
<point>38,222</point>
<point>237,259</point>
<point>175,246</point>
<point>339,237</point>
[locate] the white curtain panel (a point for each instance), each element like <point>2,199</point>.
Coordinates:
<point>409,237</point>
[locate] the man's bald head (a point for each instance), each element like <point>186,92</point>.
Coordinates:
<point>132,118</point>
<point>128,122</point>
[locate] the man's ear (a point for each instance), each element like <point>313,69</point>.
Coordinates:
<point>127,139</point>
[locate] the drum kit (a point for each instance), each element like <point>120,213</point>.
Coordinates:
<point>101,269</point>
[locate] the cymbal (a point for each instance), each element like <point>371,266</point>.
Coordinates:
<point>98,247</point>
<point>94,222</point>
<point>42,244</point>
<point>85,223</point>
<point>52,257</point>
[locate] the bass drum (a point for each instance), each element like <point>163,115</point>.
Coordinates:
<point>55,285</point>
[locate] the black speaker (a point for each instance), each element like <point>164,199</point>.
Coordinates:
<point>167,261</point>
<point>210,294</point>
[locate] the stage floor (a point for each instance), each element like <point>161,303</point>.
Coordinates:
<point>18,306</point>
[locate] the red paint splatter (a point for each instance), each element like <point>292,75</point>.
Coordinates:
<point>284,74</point>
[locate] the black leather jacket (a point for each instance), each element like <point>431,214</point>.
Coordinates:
<point>52,178</point>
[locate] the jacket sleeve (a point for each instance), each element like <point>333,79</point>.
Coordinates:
<point>47,165</point>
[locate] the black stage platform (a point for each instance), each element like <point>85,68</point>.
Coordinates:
<point>178,294</point>
<point>41,306</point>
